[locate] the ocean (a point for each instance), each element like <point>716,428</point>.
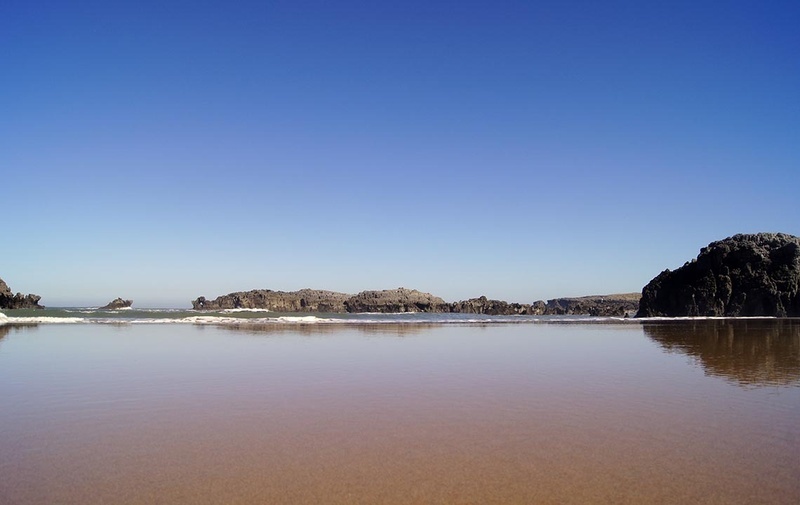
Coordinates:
<point>177,406</point>
<point>68,315</point>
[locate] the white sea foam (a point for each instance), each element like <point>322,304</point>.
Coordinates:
<point>231,311</point>
<point>233,318</point>
<point>701,318</point>
<point>44,320</point>
<point>220,320</point>
<point>210,320</point>
<point>407,314</point>
<point>300,319</point>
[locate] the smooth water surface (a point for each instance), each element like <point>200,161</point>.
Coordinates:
<point>668,412</point>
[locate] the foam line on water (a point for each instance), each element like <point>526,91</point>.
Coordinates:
<point>233,311</point>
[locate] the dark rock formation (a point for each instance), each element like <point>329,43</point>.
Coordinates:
<point>395,300</point>
<point>620,305</point>
<point>743,275</point>
<point>8,300</point>
<point>600,306</point>
<point>117,303</point>
<point>304,300</point>
<point>483,305</point>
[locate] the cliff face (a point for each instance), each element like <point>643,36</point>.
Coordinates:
<point>304,300</point>
<point>9,300</point>
<point>743,275</point>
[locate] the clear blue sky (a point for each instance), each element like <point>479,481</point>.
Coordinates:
<point>162,150</point>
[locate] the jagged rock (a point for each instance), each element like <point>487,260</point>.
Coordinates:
<point>304,300</point>
<point>743,275</point>
<point>395,300</point>
<point>117,303</point>
<point>8,300</point>
<point>619,305</point>
<point>483,305</point>
<point>411,300</point>
<point>538,307</point>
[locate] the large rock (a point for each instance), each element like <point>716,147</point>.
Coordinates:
<point>483,305</point>
<point>304,300</point>
<point>395,300</point>
<point>9,300</point>
<point>743,275</point>
<point>116,304</point>
<point>619,305</point>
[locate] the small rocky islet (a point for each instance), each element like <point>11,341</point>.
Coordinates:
<point>743,275</point>
<point>116,304</point>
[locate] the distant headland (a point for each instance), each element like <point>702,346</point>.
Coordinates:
<point>743,275</point>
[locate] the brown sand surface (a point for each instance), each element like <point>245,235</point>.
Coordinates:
<point>259,419</point>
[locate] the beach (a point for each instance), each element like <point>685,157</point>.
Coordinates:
<point>418,411</point>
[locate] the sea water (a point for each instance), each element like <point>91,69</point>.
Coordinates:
<point>174,406</point>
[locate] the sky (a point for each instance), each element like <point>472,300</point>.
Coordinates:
<point>522,150</point>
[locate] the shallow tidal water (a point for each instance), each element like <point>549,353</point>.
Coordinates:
<point>654,412</point>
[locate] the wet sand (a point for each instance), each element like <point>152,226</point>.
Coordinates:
<point>458,414</point>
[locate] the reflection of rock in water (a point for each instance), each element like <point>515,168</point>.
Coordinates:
<point>382,329</point>
<point>4,330</point>
<point>748,352</point>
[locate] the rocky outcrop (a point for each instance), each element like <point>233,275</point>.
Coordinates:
<point>620,305</point>
<point>395,300</point>
<point>743,275</point>
<point>483,305</point>
<point>9,300</point>
<point>411,300</point>
<point>117,304</point>
<point>304,300</point>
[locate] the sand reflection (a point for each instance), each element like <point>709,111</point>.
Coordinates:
<point>746,352</point>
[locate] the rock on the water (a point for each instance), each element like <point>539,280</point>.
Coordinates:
<point>117,303</point>
<point>618,305</point>
<point>304,300</point>
<point>743,275</point>
<point>483,305</point>
<point>395,300</point>
<point>9,300</point>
